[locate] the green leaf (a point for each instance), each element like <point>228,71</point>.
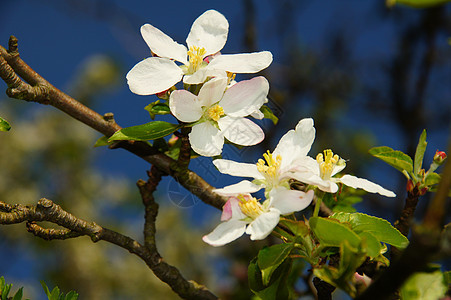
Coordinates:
<point>103,141</point>
<point>419,153</point>
<point>394,158</point>
<point>55,294</point>
<point>72,295</point>
<point>373,246</point>
<point>268,114</point>
<point>4,125</point>
<point>380,228</point>
<point>424,286</point>
<point>432,178</point>
<point>298,228</point>
<point>331,232</point>
<point>18,295</point>
<point>157,108</point>
<point>149,131</point>
<point>417,3</point>
<point>45,287</point>
<point>269,258</point>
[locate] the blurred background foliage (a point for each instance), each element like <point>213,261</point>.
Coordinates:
<point>369,76</point>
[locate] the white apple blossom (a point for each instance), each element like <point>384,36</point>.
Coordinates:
<point>244,214</point>
<point>200,60</point>
<point>275,171</point>
<point>219,112</point>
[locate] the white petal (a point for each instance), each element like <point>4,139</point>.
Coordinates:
<point>313,179</point>
<point>241,131</point>
<point>262,226</point>
<point>245,97</point>
<point>162,45</point>
<point>242,187</point>
<point>306,164</point>
<point>225,233</point>
<point>185,106</point>
<point>257,115</point>
<point>206,139</point>
<point>153,75</point>
<point>212,91</point>
<point>338,169</point>
<point>202,74</point>
<point>209,31</point>
<point>233,168</point>
<point>242,63</point>
<point>367,185</point>
<point>289,201</point>
<point>296,143</point>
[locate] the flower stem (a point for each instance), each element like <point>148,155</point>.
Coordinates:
<point>319,199</point>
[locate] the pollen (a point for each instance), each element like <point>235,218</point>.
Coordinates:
<point>195,58</point>
<point>215,112</point>
<point>250,206</point>
<point>270,168</point>
<point>327,163</point>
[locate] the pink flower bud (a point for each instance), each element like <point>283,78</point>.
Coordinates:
<point>439,157</point>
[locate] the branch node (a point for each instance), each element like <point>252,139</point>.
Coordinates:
<point>45,203</point>
<point>109,117</point>
<point>12,45</point>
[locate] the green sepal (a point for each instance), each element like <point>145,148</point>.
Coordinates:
<point>4,125</point>
<point>157,108</point>
<point>270,258</point>
<point>419,153</point>
<point>268,114</point>
<point>149,131</point>
<point>394,158</point>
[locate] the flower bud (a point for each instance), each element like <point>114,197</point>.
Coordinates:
<point>439,157</point>
<point>410,186</point>
<point>423,191</point>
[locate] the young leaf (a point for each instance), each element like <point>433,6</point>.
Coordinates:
<point>45,287</point>
<point>394,158</point>
<point>149,131</point>
<point>268,114</point>
<point>103,141</point>
<point>72,295</point>
<point>270,258</point>
<point>372,245</point>
<point>55,294</point>
<point>331,232</point>
<point>18,295</point>
<point>424,286</point>
<point>4,125</point>
<point>419,153</point>
<point>432,178</point>
<point>298,228</point>
<point>157,108</point>
<point>380,228</point>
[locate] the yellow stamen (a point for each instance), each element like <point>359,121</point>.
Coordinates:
<point>215,112</point>
<point>250,206</point>
<point>230,77</point>
<point>195,58</point>
<point>272,168</point>
<point>327,163</point>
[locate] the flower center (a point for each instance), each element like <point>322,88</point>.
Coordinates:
<point>271,170</point>
<point>195,58</point>
<point>215,112</point>
<point>250,206</point>
<point>327,163</point>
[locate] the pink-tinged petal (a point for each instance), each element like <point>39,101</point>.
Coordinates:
<point>162,45</point>
<point>289,201</point>
<point>202,74</point>
<point>233,168</point>
<point>242,187</point>
<point>242,63</point>
<point>360,183</point>
<point>225,233</point>
<point>206,139</point>
<point>241,131</point>
<point>212,91</point>
<point>209,31</point>
<point>262,226</point>
<point>232,210</point>
<point>245,97</point>
<point>153,75</point>
<point>296,143</point>
<point>185,106</point>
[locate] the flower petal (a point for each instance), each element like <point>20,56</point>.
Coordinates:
<point>243,62</point>
<point>257,115</point>
<point>262,226</point>
<point>232,210</point>
<point>367,185</point>
<point>212,91</point>
<point>209,31</point>
<point>296,143</point>
<point>242,187</point>
<point>245,97</point>
<point>289,201</point>
<point>311,178</point>
<point>201,75</point>
<point>206,139</point>
<point>233,168</point>
<point>241,131</point>
<point>225,233</point>
<point>185,106</point>
<point>163,45</point>
<point>153,75</point>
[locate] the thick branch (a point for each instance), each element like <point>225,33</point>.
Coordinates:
<point>35,88</point>
<point>48,211</point>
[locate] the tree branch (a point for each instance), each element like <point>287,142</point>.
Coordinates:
<point>46,210</point>
<point>35,88</point>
